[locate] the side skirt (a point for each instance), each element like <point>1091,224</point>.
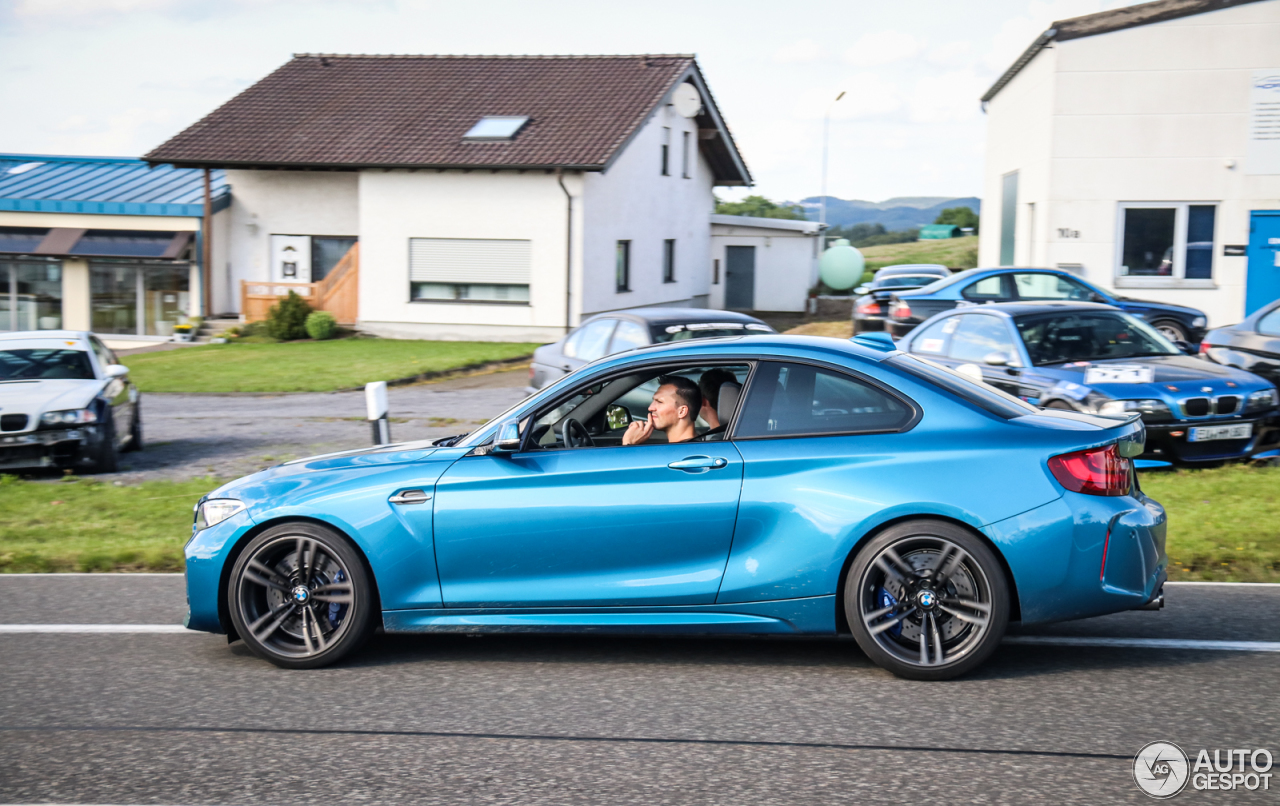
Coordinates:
<point>813,615</point>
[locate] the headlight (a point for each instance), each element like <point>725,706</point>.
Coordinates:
<point>215,511</point>
<point>1149,409</point>
<point>1199,321</point>
<point>69,417</point>
<point>1261,400</point>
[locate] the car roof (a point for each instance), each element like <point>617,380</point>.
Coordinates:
<point>30,335</point>
<point>672,315</point>
<point>767,345</point>
<point>915,268</point>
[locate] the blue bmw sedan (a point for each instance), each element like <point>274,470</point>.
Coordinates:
<point>1094,358</point>
<point>769,485</point>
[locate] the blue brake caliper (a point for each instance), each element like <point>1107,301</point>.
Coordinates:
<point>334,607</point>
<point>886,600</point>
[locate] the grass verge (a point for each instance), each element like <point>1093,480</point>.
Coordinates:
<point>308,366</point>
<point>87,525</point>
<point>956,253</point>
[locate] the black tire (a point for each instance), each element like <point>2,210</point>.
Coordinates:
<point>280,623</point>
<point>106,458</point>
<point>135,430</point>
<point>1170,330</point>
<point>927,636</point>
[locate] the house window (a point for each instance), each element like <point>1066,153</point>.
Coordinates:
<point>666,150</point>
<point>1165,244</point>
<point>669,260</point>
<point>477,270</point>
<point>326,254</point>
<point>624,266</point>
<point>715,272</point>
<point>684,154</point>
<point>1008,217</point>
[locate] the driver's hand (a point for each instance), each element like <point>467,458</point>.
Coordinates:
<point>638,432</point>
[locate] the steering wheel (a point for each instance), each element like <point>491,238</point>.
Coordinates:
<point>581,439</point>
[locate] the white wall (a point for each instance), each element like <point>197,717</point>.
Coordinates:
<point>266,203</point>
<point>634,201</point>
<point>398,205</point>
<point>786,265</point>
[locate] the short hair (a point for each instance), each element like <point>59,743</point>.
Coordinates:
<point>711,381</point>
<point>686,390</point>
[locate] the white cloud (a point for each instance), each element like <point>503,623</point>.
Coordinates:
<point>803,50</point>
<point>116,134</point>
<point>882,47</point>
<point>947,97</point>
<point>77,8</point>
<point>867,95</point>
<point>950,53</point>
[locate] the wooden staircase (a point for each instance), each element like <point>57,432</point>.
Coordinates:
<point>338,293</point>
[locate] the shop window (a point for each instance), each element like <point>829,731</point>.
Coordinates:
<point>30,295</point>
<point>1165,244</point>
<point>138,300</point>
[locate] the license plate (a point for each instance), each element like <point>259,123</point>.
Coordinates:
<point>1205,433</point>
<point>1118,373</point>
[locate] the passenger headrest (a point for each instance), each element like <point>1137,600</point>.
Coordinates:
<point>729,394</point>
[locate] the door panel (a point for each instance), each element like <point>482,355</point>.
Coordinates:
<point>1263,284</point>
<point>607,526</point>
<point>740,278</point>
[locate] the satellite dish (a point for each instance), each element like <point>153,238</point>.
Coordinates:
<point>686,100</point>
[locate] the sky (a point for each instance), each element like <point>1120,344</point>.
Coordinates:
<point>119,77</point>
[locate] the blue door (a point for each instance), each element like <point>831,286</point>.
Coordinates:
<point>1263,283</point>
<point>604,526</point>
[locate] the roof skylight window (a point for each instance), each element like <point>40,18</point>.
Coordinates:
<point>24,167</point>
<point>496,128</point>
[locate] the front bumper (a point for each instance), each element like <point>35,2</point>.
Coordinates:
<point>206,559</point>
<point>60,448</point>
<point>1169,442</point>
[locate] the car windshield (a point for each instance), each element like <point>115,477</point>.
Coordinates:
<point>45,364</point>
<point>706,330</point>
<point>1094,336</point>
<point>900,280</point>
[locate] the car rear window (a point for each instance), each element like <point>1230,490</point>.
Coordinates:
<point>45,364</point>
<point>981,395</point>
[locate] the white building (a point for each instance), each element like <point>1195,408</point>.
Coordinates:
<point>763,264</point>
<point>1139,147</point>
<point>491,197</point>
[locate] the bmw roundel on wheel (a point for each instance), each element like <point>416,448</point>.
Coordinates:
<point>771,485</point>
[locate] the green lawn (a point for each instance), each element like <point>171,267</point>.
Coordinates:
<point>956,253</point>
<point>1224,524</point>
<point>307,366</point>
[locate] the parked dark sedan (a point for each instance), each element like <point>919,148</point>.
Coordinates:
<point>978,286</point>
<point>619,331</point>
<point>1096,359</point>
<point>1252,345</point>
<point>872,308</point>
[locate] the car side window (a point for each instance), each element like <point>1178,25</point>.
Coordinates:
<point>936,338</point>
<point>594,339</point>
<point>978,336</point>
<point>628,336</point>
<point>105,356</point>
<point>1269,325</point>
<point>570,348</point>
<point>988,289</point>
<point>1038,285</point>
<point>787,399</point>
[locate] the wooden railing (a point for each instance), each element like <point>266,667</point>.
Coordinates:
<point>338,293</point>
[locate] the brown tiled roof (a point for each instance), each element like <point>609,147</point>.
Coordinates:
<point>1103,22</point>
<point>411,111</point>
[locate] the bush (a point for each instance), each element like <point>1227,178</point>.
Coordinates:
<point>321,325</point>
<point>287,319</point>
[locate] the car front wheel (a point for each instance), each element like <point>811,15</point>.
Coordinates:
<point>1171,330</point>
<point>299,596</point>
<point>927,600</point>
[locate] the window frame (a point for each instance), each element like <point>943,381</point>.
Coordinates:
<point>666,151</point>
<point>1178,278</point>
<point>684,154</point>
<point>622,249</point>
<point>669,260</point>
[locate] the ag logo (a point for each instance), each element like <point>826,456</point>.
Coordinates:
<point>1161,769</point>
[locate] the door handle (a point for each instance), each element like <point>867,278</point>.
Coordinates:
<point>698,464</point>
<point>410,497</point>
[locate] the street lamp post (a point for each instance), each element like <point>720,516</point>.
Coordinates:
<point>826,135</point>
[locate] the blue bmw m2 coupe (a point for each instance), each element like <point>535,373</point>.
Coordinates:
<point>772,485</point>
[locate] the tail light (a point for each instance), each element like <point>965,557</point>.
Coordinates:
<point>1098,471</point>
<point>901,310</point>
<point>870,309</point>
<point>1204,347</point>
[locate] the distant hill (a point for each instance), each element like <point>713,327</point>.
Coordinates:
<point>903,212</point>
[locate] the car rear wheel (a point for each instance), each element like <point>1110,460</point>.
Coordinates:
<point>135,431</point>
<point>1171,330</point>
<point>927,600</point>
<point>106,459</point>
<point>299,596</point>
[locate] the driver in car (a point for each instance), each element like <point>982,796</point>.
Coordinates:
<point>674,408</point>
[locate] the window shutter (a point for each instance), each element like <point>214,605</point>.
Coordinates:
<point>468,260</point>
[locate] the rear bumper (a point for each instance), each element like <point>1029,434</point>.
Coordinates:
<point>868,324</point>
<point>61,448</point>
<point>1169,441</point>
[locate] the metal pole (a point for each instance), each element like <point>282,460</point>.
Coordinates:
<point>375,401</point>
<point>206,257</point>
<point>568,253</point>
<point>826,135</point>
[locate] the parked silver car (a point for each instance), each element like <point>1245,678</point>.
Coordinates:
<point>65,402</point>
<point>619,331</point>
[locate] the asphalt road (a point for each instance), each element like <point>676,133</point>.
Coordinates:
<point>185,718</point>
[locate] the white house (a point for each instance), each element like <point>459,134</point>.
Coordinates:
<point>1140,148</point>
<point>763,264</point>
<point>496,197</point>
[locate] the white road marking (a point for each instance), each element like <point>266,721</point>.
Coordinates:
<point>1143,643</point>
<point>95,628</point>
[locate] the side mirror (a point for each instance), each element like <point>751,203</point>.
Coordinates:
<point>1186,347</point>
<point>1096,297</point>
<point>996,359</point>
<point>617,416</point>
<point>862,289</point>
<point>508,438</point>
<point>117,370</point>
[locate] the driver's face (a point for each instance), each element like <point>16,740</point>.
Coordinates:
<point>666,407</point>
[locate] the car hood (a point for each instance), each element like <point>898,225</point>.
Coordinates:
<point>36,397</point>
<point>1163,306</point>
<point>1175,377</point>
